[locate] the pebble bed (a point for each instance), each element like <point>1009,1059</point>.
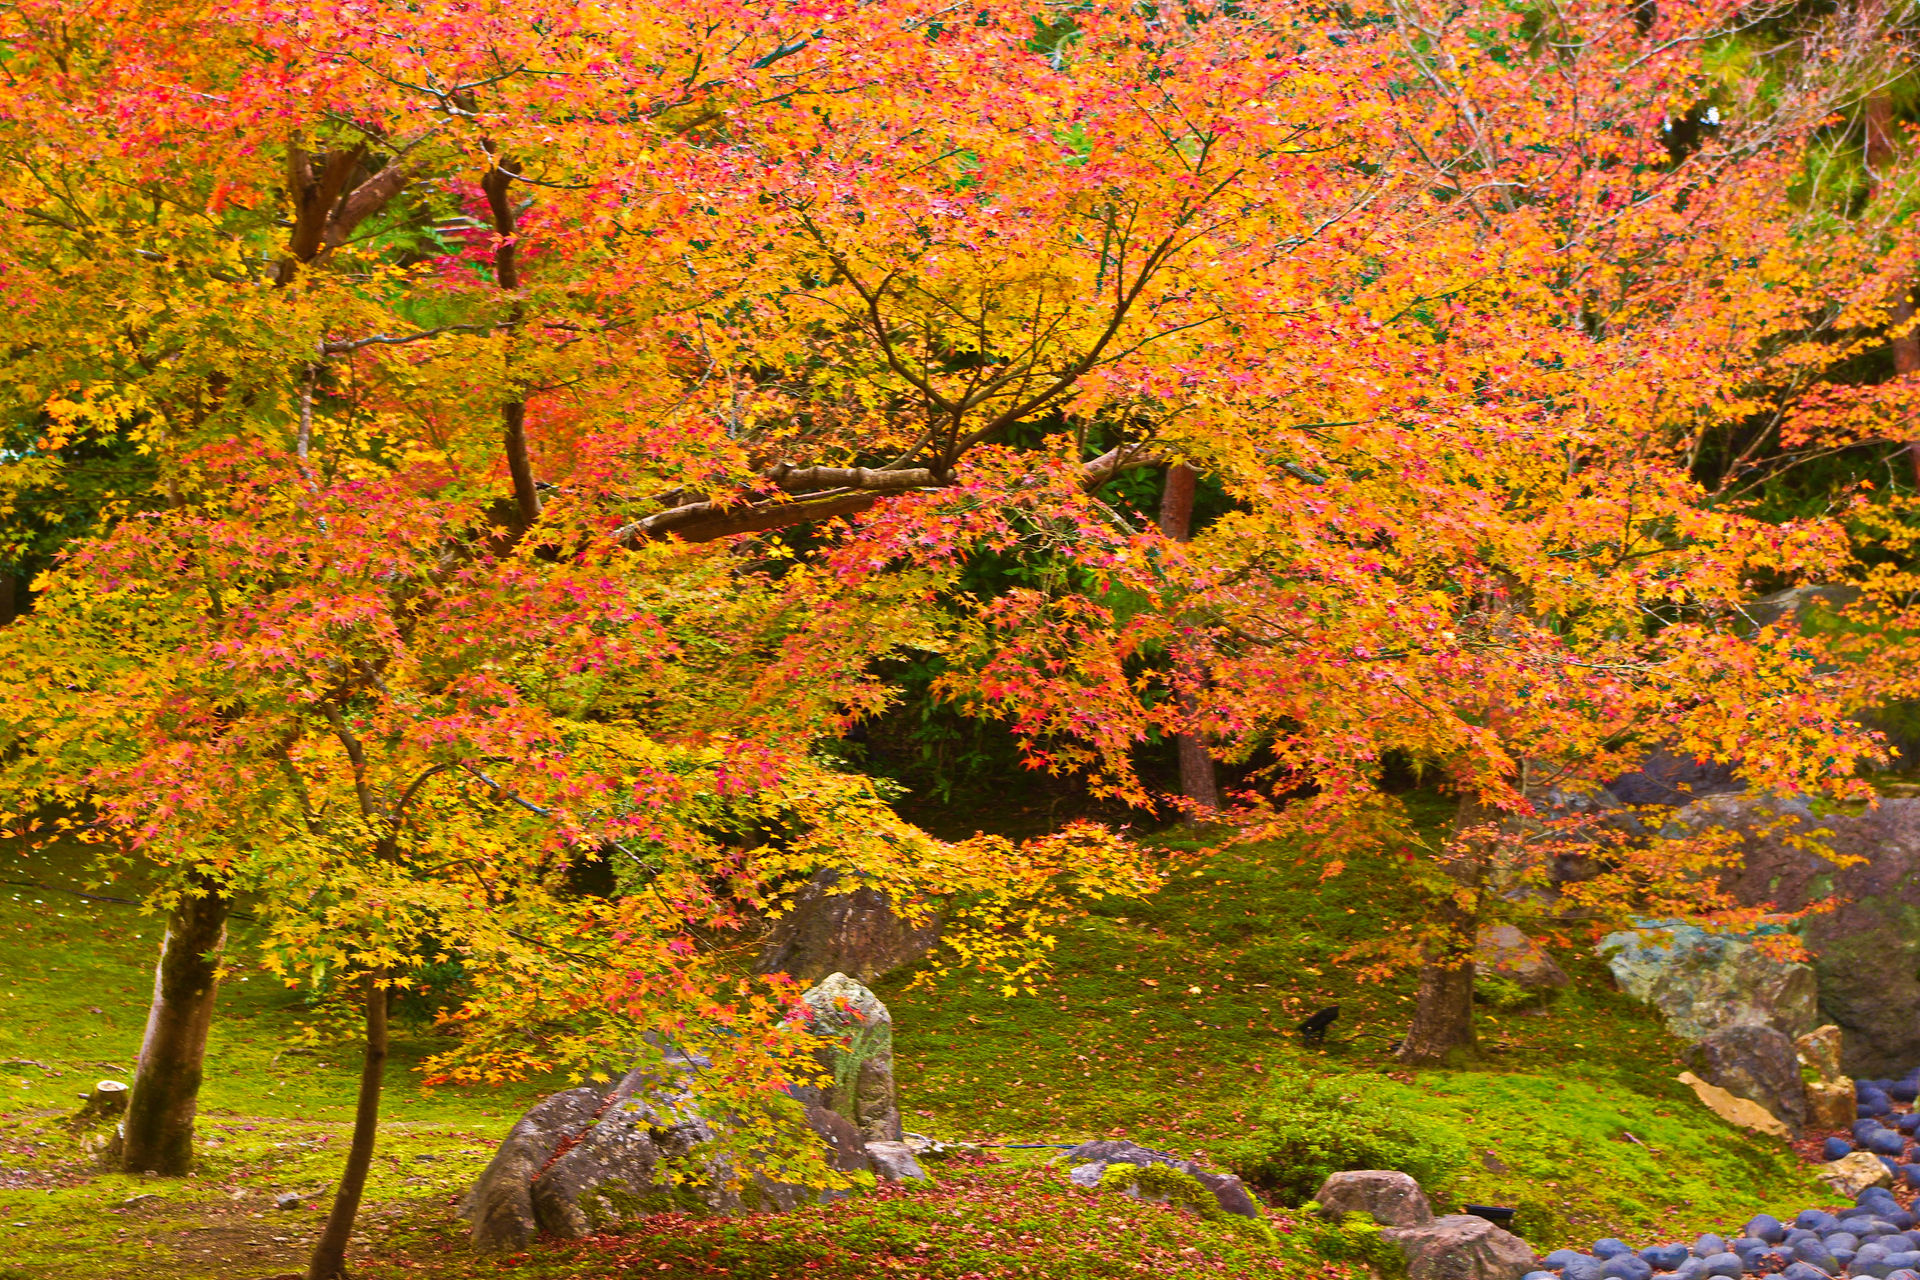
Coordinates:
<point>1877,1236</point>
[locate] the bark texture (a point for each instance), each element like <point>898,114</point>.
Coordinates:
<point>330,1251</point>
<point>1198,781</point>
<point>166,1081</point>
<point>1443,1007</point>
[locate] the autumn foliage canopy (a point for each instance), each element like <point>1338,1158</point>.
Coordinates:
<point>553,413</point>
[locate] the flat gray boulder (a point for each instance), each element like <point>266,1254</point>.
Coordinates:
<point>1393,1198</point>
<point>1462,1247</point>
<point>894,1161</point>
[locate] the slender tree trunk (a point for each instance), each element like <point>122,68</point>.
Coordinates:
<point>166,1080</point>
<point>1443,1008</point>
<point>330,1251</point>
<point>1197,780</point>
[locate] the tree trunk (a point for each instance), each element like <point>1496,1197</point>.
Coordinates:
<point>1197,780</point>
<point>1443,1008</point>
<point>330,1252</point>
<point>166,1081</point>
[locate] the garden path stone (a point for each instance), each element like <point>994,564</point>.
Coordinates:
<point>1804,1271</point>
<point>894,1162</point>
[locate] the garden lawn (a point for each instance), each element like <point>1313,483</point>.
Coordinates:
<point>1168,1021</point>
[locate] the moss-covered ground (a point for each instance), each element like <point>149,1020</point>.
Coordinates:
<point>1168,1021</point>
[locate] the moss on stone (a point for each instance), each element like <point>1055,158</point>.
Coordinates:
<point>1164,1184</point>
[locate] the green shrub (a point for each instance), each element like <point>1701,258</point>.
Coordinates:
<point>1539,1222</point>
<point>1309,1127</point>
<point>1354,1237</point>
<point>1504,994</point>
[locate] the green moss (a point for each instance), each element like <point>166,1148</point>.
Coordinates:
<point>1539,1222</point>
<point>1504,995</point>
<point>1355,1238</point>
<point>1164,1185</point>
<point>1312,1126</point>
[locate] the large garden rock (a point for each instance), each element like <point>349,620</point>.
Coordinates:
<point>1089,1162</point>
<point>1462,1247</point>
<point>636,1159</point>
<point>1393,1198</point>
<point>1673,779</point>
<point>1705,982</point>
<point>855,1053</point>
<point>592,1156</point>
<point>835,929</point>
<point>1758,1063</point>
<point>1502,951</point>
<point>1867,950</point>
<point>500,1205</point>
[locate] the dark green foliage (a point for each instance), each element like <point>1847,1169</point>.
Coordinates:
<point>1315,1125</point>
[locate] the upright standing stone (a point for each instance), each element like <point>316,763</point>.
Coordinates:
<point>856,1054</point>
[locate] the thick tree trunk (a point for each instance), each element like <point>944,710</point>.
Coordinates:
<point>1443,1008</point>
<point>1197,779</point>
<point>166,1081</point>
<point>330,1252</point>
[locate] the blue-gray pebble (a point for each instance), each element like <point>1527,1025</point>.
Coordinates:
<point>1725,1264</point>
<point>1664,1257</point>
<point>1803,1271</point>
<point>1887,1142</point>
<point>1625,1266</point>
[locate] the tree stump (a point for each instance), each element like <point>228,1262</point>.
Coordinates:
<point>107,1101</point>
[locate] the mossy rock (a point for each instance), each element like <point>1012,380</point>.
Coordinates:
<point>1166,1185</point>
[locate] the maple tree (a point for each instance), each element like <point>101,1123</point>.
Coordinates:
<point>1467,533</point>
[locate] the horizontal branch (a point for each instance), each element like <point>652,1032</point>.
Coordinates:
<point>849,491</point>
